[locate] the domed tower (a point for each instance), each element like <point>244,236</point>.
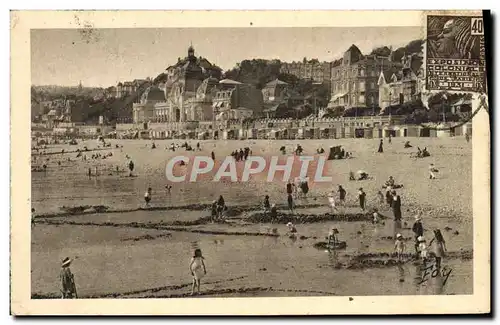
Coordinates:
<point>191,56</point>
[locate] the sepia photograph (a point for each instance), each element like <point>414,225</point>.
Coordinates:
<point>253,161</point>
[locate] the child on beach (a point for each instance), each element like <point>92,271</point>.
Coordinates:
<point>290,203</point>
<point>198,269</point>
<point>214,211</point>
<point>147,196</point>
<point>432,171</point>
<point>291,229</point>
<point>332,237</point>
<point>267,205</point>
<point>422,247</point>
<point>380,196</point>
<point>439,247</point>
<point>331,200</point>
<point>399,246</point>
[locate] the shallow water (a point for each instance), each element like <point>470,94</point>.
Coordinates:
<point>107,264</point>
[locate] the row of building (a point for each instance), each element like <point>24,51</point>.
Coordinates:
<point>356,80</point>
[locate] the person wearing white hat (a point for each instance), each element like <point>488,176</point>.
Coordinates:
<point>274,211</point>
<point>399,246</point>
<point>291,228</point>
<point>68,287</point>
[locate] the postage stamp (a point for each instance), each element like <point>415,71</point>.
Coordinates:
<point>167,158</point>
<point>455,53</point>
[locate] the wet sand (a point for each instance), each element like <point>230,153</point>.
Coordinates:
<point>150,257</point>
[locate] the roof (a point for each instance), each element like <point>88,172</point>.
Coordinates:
<point>229,82</point>
<point>337,96</point>
<point>276,82</point>
<point>153,93</point>
<point>272,107</point>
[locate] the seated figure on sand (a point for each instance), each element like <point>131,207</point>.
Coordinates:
<point>362,175</point>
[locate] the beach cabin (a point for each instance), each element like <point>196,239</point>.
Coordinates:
<point>409,131</point>
<point>252,134</point>
<point>443,133</point>
<point>228,135</point>
<point>424,132</point>
<point>368,133</point>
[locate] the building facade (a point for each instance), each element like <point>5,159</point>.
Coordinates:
<point>236,101</point>
<point>313,69</point>
<point>129,87</point>
<point>399,86</point>
<point>354,80</point>
<point>144,111</point>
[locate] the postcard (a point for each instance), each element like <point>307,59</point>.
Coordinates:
<point>249,163</point>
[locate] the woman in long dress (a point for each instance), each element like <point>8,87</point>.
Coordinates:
<point>198,269</point>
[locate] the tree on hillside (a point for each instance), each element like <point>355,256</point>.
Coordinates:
<point>381,51</point>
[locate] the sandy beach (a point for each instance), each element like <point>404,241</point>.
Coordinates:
<point>127,251</point>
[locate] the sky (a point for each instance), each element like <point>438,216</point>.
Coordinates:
<point>106,56</point>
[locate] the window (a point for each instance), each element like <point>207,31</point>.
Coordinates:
<point>361,99</point>
<point>373,73</point>
<point>372,85</point>
<point>361,86</point>
<point>362,72</point>
<point>353,86</point>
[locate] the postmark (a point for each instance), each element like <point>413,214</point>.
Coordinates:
<point>455,53</point>
<point>447,111</point>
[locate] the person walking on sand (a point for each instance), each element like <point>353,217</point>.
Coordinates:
<point>221,204</point>
<point>274,211</point>
<point>342,193</point>
<point>362,198</point>
<point>438,245</point>
<point>130,167</point>
<point>290,187</point>
<point>432,171</point>
<point>418,230</point>
<point>331,201</point>
<point>147,196</point>
<point>213,156</point>
<point>381,146</point>
<point>90,173</point>
<point>68,287</point>
<point>214,211</point>
<point>290,203</point>
<point>267,205</point>
<point>198,270</point>
<point>388,196</point>
<point>399,247</point>
<point>380,196</point>
<point>396,205</point>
